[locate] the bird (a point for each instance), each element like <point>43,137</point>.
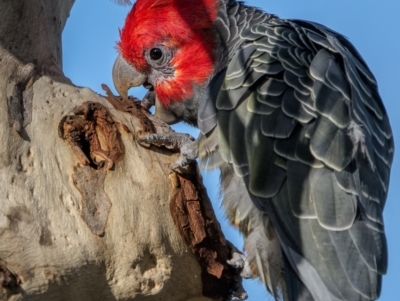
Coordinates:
<point>290,113</point>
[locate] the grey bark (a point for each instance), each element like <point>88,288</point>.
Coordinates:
<point>47,250</point>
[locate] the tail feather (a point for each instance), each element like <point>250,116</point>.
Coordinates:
<point>294,289</point>
<point>269,262</point>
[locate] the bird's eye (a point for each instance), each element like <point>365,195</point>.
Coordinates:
<point>155,54</point>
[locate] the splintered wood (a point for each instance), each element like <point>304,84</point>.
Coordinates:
<point>131,106</point>
<point>95,140</point>
<point>194,217</point>
<point>93,136</point>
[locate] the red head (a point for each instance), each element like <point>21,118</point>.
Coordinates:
<point>184,29</point>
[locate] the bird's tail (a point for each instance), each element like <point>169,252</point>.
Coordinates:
<point>293,287</point>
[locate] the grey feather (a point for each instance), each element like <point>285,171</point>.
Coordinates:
<point>288,58</point>
<point>266,177</point>
<point>239,63</point>
<point>286,147</point>
<point>307,101</point>
<point>369,243</point>
<point>346,180</point>
<point>307,83</point>
<point>331,257</point>
<point>277,125</point>
<point>207,114</point>
<point>293,108</point>
<point>253,76</point>
<point>295,288</point>
<point>336,209</point>
<point>228,101</point>
<point>331,145</point>
<point>336,79</point>
<point>292,80</point>
<point>320,40</point>
<point>303,153</point>
<point>273,68</point>
<point>370,188</point>
<point>254,105</point>
<point>330,104</point>
<point>271,87</point>
<point>299,192</point>
<point>265,58</point>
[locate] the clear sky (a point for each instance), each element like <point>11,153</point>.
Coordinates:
<point>373,27</point>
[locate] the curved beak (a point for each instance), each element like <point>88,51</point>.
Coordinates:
<point>125,77</point>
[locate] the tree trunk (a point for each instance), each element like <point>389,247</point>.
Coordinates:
<point>86,213</point>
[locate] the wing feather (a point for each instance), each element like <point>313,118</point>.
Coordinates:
<point>301,120</point>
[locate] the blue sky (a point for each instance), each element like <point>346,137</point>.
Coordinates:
<point>89,52</point>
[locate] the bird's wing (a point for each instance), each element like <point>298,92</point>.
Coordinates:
<point>301,120</point>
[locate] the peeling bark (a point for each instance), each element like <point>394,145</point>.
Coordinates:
<point>193,215</point>
<point>93,136</point>
<point>131,106</point>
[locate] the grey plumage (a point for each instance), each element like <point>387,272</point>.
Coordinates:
<point>300,119</point>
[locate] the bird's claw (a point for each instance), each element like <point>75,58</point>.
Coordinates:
<point>237,292</point>
<point>148,100</point>
<point>242,270</point>
<point>185,143</point>
<point>240,262</point>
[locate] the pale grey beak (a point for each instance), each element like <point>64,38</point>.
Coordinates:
<point>126,76</point>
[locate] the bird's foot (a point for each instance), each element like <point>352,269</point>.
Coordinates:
<point>149,100</point>
<point>237,292</point>
<point>240,262</point>
<point>185,143</point>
